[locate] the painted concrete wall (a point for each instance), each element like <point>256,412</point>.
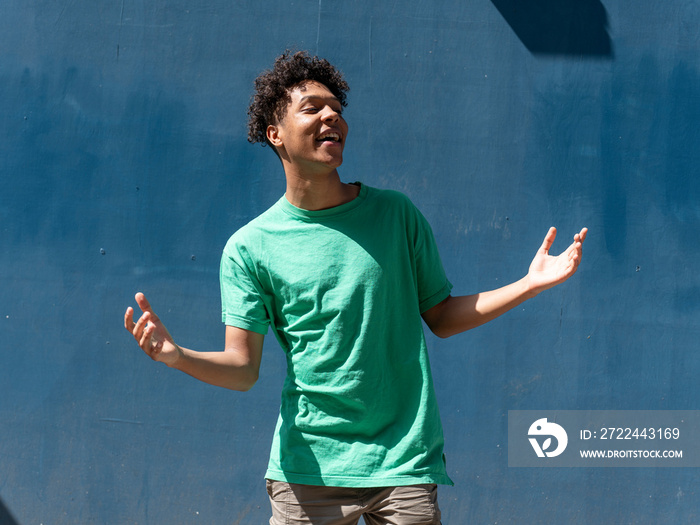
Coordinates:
<point>124,167</point>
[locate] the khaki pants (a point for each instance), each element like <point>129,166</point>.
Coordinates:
<point>294,504</point>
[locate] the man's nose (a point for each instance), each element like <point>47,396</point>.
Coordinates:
<point>330,115</point>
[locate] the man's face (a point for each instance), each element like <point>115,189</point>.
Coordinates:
<point>312,131</point>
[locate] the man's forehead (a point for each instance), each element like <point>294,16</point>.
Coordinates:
<point>311,89</point>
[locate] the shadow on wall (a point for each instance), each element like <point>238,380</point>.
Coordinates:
<point>559,27</point>
<point>5,517</point>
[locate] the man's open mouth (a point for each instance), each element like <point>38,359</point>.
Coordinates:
<point>331,136</point>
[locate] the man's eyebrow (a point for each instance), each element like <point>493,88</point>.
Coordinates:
<point>318,97</point>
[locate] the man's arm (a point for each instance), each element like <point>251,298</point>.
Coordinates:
<point>459,314</point>
<point>236,368</point>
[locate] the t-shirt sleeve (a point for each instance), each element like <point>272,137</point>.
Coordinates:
<point>433,285</point>
<point>242,303</point>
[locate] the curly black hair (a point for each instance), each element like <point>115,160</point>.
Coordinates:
<point>273,87</point>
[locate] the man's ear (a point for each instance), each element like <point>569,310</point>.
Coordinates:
<point>273,135</point>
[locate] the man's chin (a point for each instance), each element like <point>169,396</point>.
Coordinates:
<point>335,161</point>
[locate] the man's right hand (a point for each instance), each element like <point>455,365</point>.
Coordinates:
<point>150,333</point>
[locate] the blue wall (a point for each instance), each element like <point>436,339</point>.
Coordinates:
<point>124,167</point>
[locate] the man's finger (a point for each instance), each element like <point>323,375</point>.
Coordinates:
<point>143,302</point>
<point>129,319</point>
<point>145,340</point>
<point>141,325</point>
<point>582,235</point>
<point>548,240</point>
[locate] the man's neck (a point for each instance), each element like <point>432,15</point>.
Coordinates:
<point>318,192</point>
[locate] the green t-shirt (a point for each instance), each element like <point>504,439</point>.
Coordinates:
<point>343,290</point>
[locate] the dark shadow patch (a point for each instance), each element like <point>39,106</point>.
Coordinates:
<point>5,517</point>
<point>559,27</point>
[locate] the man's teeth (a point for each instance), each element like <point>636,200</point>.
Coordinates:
<point>329,136</point>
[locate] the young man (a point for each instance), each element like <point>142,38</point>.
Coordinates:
<point>342,273</point>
